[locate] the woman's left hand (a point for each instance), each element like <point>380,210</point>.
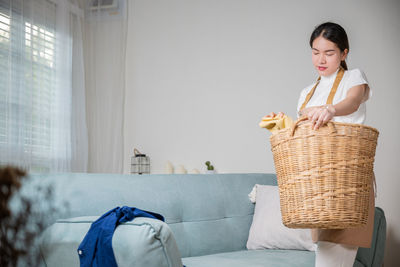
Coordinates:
<point>320,115</point>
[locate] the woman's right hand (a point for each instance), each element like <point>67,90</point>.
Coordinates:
<point>319,115</point>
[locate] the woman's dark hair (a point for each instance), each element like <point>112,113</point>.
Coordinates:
<point>334,33</point>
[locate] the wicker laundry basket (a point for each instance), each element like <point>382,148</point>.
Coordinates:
<point>325,175</point>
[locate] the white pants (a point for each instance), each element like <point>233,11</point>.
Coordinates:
<point>335,255</point>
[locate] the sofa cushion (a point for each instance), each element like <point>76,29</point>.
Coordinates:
<point>257,258</point>
<point>267,229</point>
<point>254,258</point>
<point>141,242</point>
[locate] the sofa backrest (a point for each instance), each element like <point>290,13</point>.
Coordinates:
<point>208,213</point>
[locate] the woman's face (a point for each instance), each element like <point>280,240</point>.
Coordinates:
<point>326,56</point>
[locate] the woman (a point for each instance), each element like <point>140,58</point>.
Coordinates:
<point>338,95</point>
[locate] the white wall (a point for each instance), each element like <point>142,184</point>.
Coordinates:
<point>202,73</point>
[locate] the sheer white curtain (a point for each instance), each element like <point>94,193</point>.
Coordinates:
<point>79,131</point>
<point>42,111</point>
<point>105,46</point>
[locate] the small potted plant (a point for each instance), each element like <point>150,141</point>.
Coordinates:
<point>210,168</point>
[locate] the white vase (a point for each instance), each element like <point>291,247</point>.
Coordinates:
<point>210,171</point>
<point>169,168</point>
<point>181,170</point>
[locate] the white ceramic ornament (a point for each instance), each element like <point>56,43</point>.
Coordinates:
<point>169,168</point>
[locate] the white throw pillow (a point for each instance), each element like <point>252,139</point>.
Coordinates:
<point>267,229</point>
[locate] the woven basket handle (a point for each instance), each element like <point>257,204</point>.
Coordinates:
<point>331,127</point>
<point>304,118</point>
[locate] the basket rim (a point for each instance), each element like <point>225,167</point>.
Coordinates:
<point>334,122</point>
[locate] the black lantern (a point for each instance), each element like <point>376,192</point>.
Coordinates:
<point>140,163</point>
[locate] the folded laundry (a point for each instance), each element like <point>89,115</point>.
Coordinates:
<point>274,123</point>
<point>96,248</point>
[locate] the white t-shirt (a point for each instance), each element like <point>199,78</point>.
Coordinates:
<point>350,79</point>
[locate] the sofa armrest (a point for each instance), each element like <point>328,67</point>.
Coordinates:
<point>141,242</point>
<point>373,256</point>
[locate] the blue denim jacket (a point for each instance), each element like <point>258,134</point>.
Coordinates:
<point>96,248</point>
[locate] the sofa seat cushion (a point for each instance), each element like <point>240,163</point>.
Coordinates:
<point>254,258</point>
<point>257,258</point>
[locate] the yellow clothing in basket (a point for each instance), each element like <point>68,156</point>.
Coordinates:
<point>276,123</point>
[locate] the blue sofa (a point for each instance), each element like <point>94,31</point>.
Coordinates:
<point>208,217</point>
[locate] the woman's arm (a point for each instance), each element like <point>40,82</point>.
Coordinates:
<point>352,102</point>
<point>319,115</point>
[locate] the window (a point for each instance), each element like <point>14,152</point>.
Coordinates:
<point>28,82</point>
<point>4,44</point>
